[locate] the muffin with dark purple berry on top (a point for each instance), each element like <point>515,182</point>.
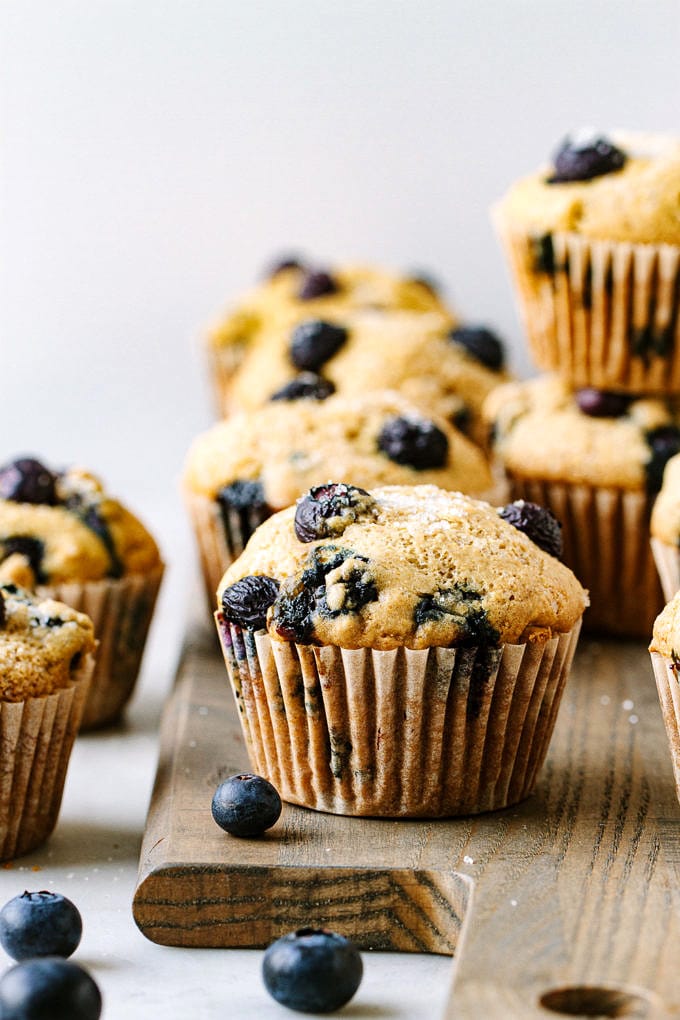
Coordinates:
<point>593,242</point>
<point>257,462</point>
<point>46,661</point>
<point>665,529</point>
<point>64,536</point>
<point>596,460</point>
<point>399,651</point>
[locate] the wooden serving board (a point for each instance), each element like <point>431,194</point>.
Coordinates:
<point>568,904</point>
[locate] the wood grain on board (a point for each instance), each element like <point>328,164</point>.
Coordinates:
<point>567,904</point>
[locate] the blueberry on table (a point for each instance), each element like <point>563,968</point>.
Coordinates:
<point>49,988</point>
<point>326,510</point>
<point>246,805</point>
<point>602,403</point>
<point>314,341</point>
<point>40,924</point>
<point>312,971</point>
<point>26,480</point>
<point>482,344</point>
<point>246,601</point>
<point>305,386</point>
<point>316,283</point>
<point>537,523</point>
<point>581,160</point>
<point>415,442</point>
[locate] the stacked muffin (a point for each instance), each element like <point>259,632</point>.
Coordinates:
<point>593,243</point>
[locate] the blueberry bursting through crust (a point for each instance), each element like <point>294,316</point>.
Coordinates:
<point>581,161</point>
<point>246,602</point>
<point>326,510</point>
<point>414,442</point>
<point>538,523</point>
<point>314,342</point>
<point>481,344</point>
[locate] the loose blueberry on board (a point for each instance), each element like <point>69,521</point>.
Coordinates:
<point>326,510</point>
<point>602,403</point>
<point>415,442</point>
<point>538,523</point>
<point>314,341</point>
<point>246,805</point>
<point>305,386</point>
<point>581,160</point>
<point>26,480</point>
<point>49,988</point>
<point>317,283</point>
<point>246,601</point>
<point>664,443</point>
<point>312,970</point>
<point>40,924</point>
<point>482,344</point>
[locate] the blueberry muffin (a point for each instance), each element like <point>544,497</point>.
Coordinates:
<point>665,653</point>
<point>63,535</point>
<point>665,529</point>
<point>593,242</point>
<point>255,463</point>
<point>596,461</point>
<point>294,291</point>
<point>46,662</point>
<point>399,652</point>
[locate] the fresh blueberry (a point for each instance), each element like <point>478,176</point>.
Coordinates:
<point>40,924</point>
<point>481,343</point>
<point>313,342</point>
<point>305,386</point>
<point>664,443</point>
<point>326,510</point>
<point>246,601</point>
<point>283,263</point>
<point>602,403</point>
<point>49,988</point>
<point>416,442</point>
<point>26,480</point>
<point>312,970</point>
<point>538,523</point>
<point>577,160</point>
<point>246,805</point>
<point>316,283</point>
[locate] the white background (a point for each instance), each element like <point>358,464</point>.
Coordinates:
<point>154,156</point>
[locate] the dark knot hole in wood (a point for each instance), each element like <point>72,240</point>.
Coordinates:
<point>588,1000</point>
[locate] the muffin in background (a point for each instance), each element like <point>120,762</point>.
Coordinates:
<point>593,243</point>
<point>665,529</point>
<point>400,652</point>
<point>255,463</point>
<point>46,663</point>
<point>596,460</point>
<point>665,653</point>
<point>295,290</point>
<point>64,536</point>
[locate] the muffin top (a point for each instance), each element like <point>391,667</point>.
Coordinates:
<point>400,566</point>
<point>445,370</point>
<point>625,187</point>
<point>542,429</point>
<point>41,644</point>
<point>58,526</point>
<point>666,633</point>
<point>294,291</point>
<point>665,522</point>
<point>371,439</point>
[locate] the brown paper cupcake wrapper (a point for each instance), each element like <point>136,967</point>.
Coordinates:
<point>223,364</point>
<point>121,610</point>
<point>605,533</point>
<point>36,738</point>
<point>404,733</point>
<point>667,679</point>
<point>601,313</point>
<point>221,537</point>
<point>667,559</point>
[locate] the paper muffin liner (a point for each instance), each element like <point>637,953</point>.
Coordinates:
<point>121,610</point>
<point>36,738</point>
<point>605,533</point>
<point>667,559</point>
<point>667,678</point>
<point>429,733</point>
<point>601,313</point>
<point>223,364</point>
<point>221,536</point>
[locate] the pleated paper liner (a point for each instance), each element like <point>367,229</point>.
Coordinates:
<point>121,610</point>
<point>36,738</point>
<point>606,544</point>
<point>601,313</point>
<point>667,678</point>
<point>223,364</point>
<point>430,733</point>
<point>667,559</point>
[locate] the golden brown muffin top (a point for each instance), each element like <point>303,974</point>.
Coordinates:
<point>63,526</point>
<point>401,566</point>
<point>41,644</point>
<point>665,522</point>
<point>640,202</point>
<point>369,439</point>
<point>539,431</point>
<point>666,632</point>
